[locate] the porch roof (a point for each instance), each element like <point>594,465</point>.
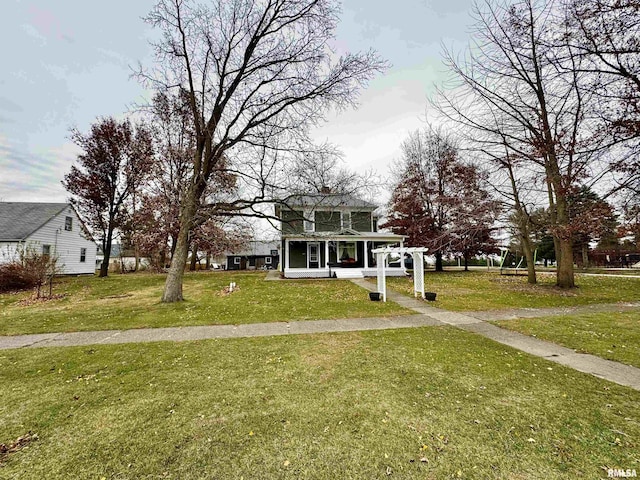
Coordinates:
<point>346,235</point>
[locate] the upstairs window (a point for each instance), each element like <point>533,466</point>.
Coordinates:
<point>46,251</point>
<point>68,223</point>
<point>309,221</point>
<point>83,255</point>
<point>345,220</point>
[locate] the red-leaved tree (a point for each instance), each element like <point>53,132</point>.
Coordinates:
<point>115,160</point>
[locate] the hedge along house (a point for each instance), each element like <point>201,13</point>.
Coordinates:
<point>258,255</point>
<point>48,229</point>
<point>331,235</point>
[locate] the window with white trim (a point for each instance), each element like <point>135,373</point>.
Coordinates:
<point>83,255</point>
<point>236,260</point>
<point>345,220</point>
<point>68,223</point>
<point>309,221</point>
<point>267,260</point>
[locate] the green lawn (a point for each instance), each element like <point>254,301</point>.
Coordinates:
<point>429,403</point>
<point>133,301</point>
<point>613,335</point>
<point>465,291</point>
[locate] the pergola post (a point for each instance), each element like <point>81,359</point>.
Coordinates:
<point>382,284</point>
<point>417,253</point>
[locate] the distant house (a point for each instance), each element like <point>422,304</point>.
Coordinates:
<point>332,235</point>
<point>258,255</point>
<point>121,260</point>
<point>49,229</point>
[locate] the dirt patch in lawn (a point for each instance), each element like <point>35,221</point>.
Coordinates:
<point>328,352</point>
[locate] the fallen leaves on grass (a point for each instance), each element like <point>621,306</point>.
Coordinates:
<point>226,291</point>
<point>19,444</point>
<point>34,300</point>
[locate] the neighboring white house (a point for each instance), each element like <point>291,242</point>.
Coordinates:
<point>50,229</point>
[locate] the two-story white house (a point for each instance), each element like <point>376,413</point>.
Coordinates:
<point>331,235</point>
<point>50,229</point>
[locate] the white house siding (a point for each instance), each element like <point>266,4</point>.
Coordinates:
<point>8,251</point>
<point>66,244</point>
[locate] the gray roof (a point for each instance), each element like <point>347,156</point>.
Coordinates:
<point>18,220</point>
<point>328,200</point>
<point>347,233</point>
<point>258,248</point>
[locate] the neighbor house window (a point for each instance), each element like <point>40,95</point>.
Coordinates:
<point>267,260</point>
<point>46,250</point>
<point>309,219</point>
<point>68,223</point>
<point>345,220</point>
<point>83,255</point>
<point>236,260</point>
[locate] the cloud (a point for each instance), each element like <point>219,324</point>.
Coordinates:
<point>8,105</point>
<point>32,175</point>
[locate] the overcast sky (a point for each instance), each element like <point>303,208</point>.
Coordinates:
<point>67,62</point>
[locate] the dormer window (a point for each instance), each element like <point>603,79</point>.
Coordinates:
<point>309,221</point>
<point>345,220</point>
<point>68,223</point>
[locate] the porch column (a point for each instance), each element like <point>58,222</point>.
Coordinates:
<point>286,255</point>
<point>366,254</point>
<point>402,265</point>
<point>326,253</point>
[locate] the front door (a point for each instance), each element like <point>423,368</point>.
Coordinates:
<point>313,255</point>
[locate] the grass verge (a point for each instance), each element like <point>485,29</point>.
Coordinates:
<point>133,301</point>
<point>613,335</point>
<point>350,405</point>
<point>476,291</point>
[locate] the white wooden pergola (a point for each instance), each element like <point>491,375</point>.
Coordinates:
<point>417,253</point>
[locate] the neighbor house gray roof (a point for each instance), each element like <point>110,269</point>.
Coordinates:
<point>257,248</point>
<point>328,200</point>
<point>18,220</point>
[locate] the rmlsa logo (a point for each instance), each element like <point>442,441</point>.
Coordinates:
<point>620,473</point>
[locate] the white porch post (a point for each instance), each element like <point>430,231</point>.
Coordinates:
<point>286,255</point>
<point>402,264</point>
<point>326,253</point>
<point>366,254</point>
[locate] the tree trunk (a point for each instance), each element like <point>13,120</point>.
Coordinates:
<point>208,261</point>
<point>466,263</point>
<point>556,249</point>
<point>528,254</point>
<point>194,258</point>
<point>585,255</point>
<point>565,277</point>
<point>174,244</point>
<point>439,262</point>
<point>173,284</point>
<point>104,268</point>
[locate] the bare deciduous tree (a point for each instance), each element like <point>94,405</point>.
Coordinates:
<point>257,74</point>
<point>514,96</point>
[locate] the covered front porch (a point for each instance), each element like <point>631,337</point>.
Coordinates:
<point>338,256</point>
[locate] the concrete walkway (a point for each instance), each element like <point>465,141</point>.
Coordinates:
<point>591,364</point>
<point>426,315</point>
<point>180,334</point>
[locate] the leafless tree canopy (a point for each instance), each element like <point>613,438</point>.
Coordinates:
<point>257,74</point>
